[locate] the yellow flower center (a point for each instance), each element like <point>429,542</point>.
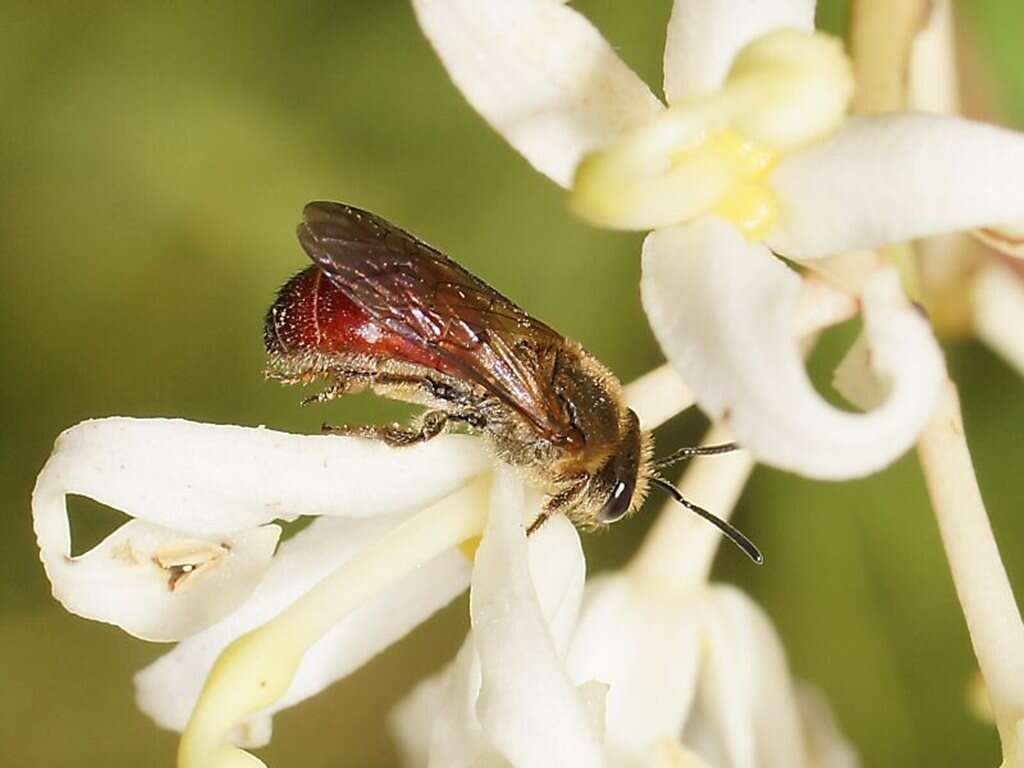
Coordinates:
<point>715,153</point>
<point>750,203</point>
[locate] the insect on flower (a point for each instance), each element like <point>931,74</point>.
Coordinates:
<point>382,310</point>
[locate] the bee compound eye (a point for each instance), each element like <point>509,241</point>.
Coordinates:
<point>617,505</point>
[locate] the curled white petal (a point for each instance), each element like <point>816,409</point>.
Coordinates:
<point>211,478</point>
<point>724,312</point>
<point>540,74</point>
<point>168,689</point>
<point>159,584</point>
<point>896,177</point>
<point>201,495</point>
<point>704,38</point>
<point>522,611</point>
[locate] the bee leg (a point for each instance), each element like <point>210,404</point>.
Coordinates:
<point>564,499</point>
<point>471,419</point>
<point>328,394</point>
<point>430,425</point>
<point>538,521</point>
<point>287,379</point>
<point>343,383</point>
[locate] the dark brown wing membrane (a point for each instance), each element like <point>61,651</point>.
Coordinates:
<point>420,294</point>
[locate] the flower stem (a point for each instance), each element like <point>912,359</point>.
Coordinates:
<point>657,396</point>
<point>256,670</point>
<point>882,34</point>
<point>993,618</point>
<point>678,552</point>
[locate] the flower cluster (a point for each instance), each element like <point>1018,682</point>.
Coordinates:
<point>752,157</point>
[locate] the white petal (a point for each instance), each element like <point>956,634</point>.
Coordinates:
<point>540,74</point>
<point>200,494</point>
<point>212,478</point>
<point>594,695</point>
<point>998,294</point>
<point>168,688</point>
<point>458,741</point>
<point>159,584</point>
<point>646,650</point>
<point>704,37</point>
<point>746,691</point>
<point>671,754</point>
<point>411,722</point>
<point>724,312</point>
<point>896,177</point>
<point>436,722</point>
<point>521,610</point>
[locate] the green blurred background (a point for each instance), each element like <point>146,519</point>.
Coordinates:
<point>154,159</point>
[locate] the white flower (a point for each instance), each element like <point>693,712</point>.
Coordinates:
<point>754,134</point>
<point>204,498</point>
<point>265,630</point>
<point>198,561</point>
<point>656,669</point>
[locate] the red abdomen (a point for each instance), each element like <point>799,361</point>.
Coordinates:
<point>311,314</point>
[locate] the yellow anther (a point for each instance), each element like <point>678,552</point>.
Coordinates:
<point>743,156</point>
<point>715,152</point>
<point>750,203</point>
<point>752,207</point>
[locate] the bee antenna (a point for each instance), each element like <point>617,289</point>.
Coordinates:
<point>696,450</point>
<point>734,534</point>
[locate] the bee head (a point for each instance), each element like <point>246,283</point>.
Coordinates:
<point>619,487</point>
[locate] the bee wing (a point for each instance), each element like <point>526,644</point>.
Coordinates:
<point>420,294</point>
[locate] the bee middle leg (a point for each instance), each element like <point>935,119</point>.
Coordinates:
<point>429,425</point>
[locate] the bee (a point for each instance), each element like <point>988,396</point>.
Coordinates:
<point>382,310</point>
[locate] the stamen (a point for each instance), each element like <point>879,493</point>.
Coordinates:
<point>715,153</point>
<point>752,207</point>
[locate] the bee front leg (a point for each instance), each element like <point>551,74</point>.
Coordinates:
<point>429,425</point>
<point>561,501</point>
